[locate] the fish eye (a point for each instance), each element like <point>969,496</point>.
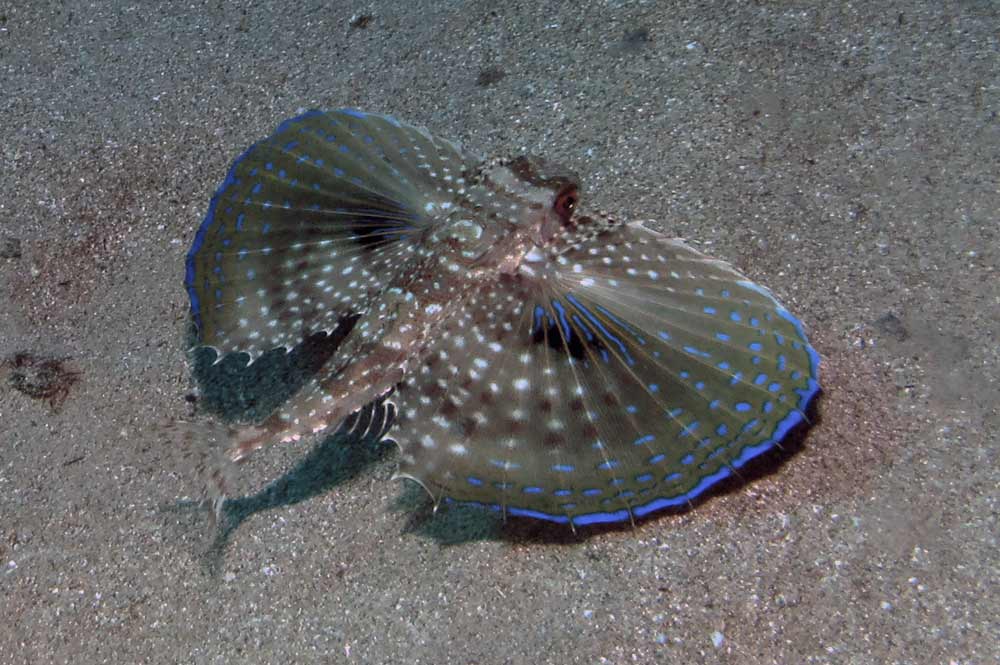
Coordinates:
<point>565,202</point>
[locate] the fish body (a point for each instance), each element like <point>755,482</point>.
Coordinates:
<point>543,361</point>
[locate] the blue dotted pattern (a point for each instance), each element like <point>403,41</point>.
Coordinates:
<point>640,509</point>
<point>190,274</point>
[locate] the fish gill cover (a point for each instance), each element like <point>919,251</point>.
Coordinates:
<point>545,362</point>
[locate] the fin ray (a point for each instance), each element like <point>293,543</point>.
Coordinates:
<point>574,403</point>
<point>310,225</point>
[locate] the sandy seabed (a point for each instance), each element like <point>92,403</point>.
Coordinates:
<point>843,154</point>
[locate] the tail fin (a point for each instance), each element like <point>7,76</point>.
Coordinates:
<point>201,447</point>
<point>211,450</point>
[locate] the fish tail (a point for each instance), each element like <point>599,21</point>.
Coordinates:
<point>203,449</point>
<point>209,452</point>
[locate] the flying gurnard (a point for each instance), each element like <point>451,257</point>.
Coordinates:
<point>542,360</point>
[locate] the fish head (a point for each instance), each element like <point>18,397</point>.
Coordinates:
<point>544,196</point>
<point>512,210</point>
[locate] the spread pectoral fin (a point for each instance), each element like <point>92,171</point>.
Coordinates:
<point>311,224</point>
<point>640,374</point>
